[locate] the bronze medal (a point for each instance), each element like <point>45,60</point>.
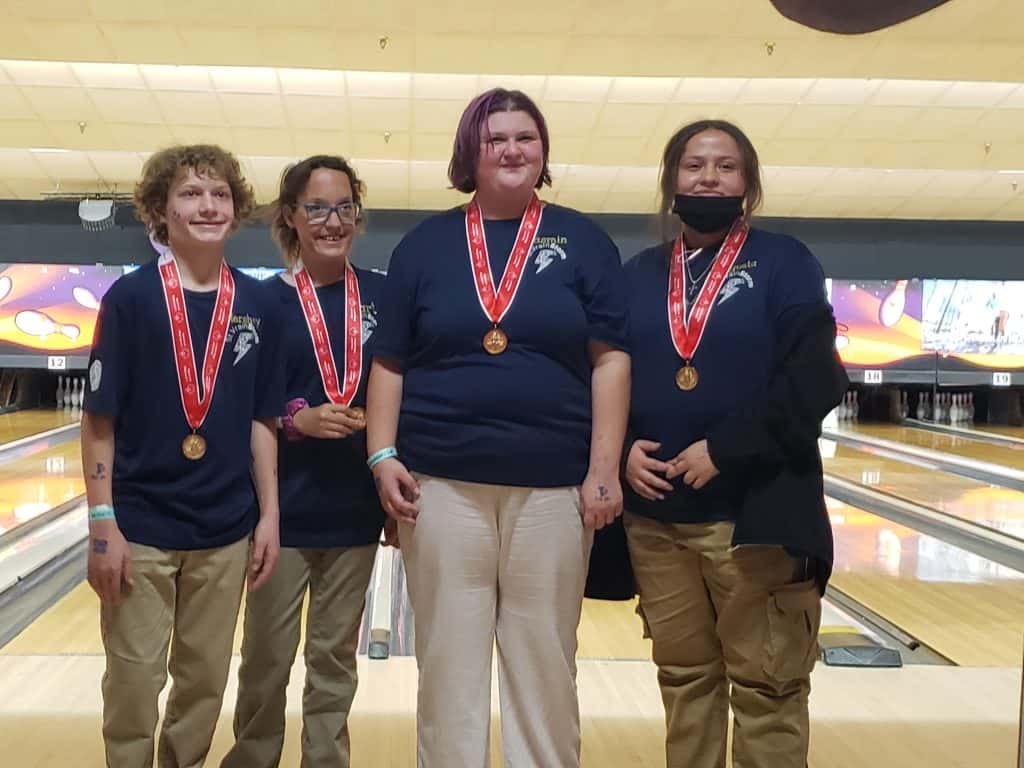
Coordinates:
<point>687,378</point>
<point>193,447</point>
<point>359,414</point>
<point>495,341</point>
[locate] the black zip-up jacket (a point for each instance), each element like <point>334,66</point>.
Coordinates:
<point>771,447</point>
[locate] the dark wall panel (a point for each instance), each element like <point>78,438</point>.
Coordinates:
<point>32,231</point>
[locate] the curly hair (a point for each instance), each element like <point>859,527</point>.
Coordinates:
<point>293,184</point>
<point>162,169</point>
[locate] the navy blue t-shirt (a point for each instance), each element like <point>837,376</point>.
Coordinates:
<point>162,499</point>
<point>773,275</point>
<point>523,417</point>
<point>328,498</point>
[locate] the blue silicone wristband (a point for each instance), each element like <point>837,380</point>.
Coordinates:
<point>379,456</point>
<point>101,512</point>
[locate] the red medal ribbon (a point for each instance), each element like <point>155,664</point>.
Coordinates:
<point>195,407</point>
<point>496,305</point>
<point>687,333</point>
<point>314,315</point>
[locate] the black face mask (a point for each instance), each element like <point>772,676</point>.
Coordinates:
<point>708,213</point>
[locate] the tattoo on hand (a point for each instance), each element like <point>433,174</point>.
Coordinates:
<point>100,473</point>
<point>99,546</point>
<point>602,493</point>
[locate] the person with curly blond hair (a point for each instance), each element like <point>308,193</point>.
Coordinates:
<point>180,457</point>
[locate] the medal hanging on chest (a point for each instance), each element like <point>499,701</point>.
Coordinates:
<point>496,304</point>
<point>687,331</point>
<point>339,393</point>
<point>196,408</point>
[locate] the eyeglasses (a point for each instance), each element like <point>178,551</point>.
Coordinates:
<point>319,213</point>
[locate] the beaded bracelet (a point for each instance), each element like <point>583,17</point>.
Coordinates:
<point>291,432</point>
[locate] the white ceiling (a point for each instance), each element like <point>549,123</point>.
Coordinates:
<point>920,121</point>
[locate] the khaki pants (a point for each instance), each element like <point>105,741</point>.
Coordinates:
<point>719,615</point>
<point>187,600</point>
<point>490,563</point>
<point>337,580</point>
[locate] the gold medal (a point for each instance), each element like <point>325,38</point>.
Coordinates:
<point>359,414</point>
<point>194,447</point>
<point>495,341</point>
<point>687,378</point>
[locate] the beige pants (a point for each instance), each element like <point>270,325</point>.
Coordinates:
<point>719,615</point>
<point>187,600</point>
<point>337,580</point>
<point>490,563</point>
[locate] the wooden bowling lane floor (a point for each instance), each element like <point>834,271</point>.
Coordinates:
<point>915,717</point>
<point>966,608</point>
<point>33,484</point>
<point>979,450</point>
<point>993,506</point>
<point>1001,429</point>
<point>18,424</point>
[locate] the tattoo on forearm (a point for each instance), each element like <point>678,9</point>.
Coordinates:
<point>100,473</point>
<point>602,493</point>
<point>99,546</point>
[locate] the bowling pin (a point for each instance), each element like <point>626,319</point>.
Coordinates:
<point>891,309</point>
<point>954,410</point>
<point>42,325</point>
<point>970,407</point>
<point>60,391</point>
<point>855,411</point>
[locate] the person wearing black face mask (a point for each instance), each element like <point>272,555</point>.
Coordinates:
<point>734,367</point>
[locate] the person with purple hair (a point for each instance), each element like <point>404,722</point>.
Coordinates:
<point>496,414</point>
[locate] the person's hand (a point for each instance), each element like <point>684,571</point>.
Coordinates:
<point>601,496</point>
<point>641,468</point>
<point>264,553</point>
<point>694,465</point>
<point>327,421</point>
<point>110,571</point>
<point>398,490</point>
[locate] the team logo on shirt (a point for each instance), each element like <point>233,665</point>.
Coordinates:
<point>244,330</point>
<point>369,320</point>
<point>547,250</point>
<point>95,375</point>
<point>734,284</point>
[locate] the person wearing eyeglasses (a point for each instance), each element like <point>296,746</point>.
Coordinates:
<point>331,517</point>
<point>497,410</point>
<point>734,368</point>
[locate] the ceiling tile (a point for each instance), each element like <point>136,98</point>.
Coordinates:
<point>177,78</point>
<point>253,110</point>
<point>124,105</point>
<point>108,75</point>
<point>312,82</point>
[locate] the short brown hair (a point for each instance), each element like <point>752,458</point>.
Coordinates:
<point>473,128</point>
<point>293,183</point>
<point>673,155</point>
<point>163,167</point>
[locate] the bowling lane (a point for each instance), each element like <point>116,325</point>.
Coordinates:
<point>32,485</point>
<point>19,424</point>
<point>992,506</point>
<point>1001,429</point>
<point>969,609</point>
<point>1004,455</point>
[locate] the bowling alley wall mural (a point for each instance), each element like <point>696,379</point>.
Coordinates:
<point>880,324</point>
<point>51,308</point>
